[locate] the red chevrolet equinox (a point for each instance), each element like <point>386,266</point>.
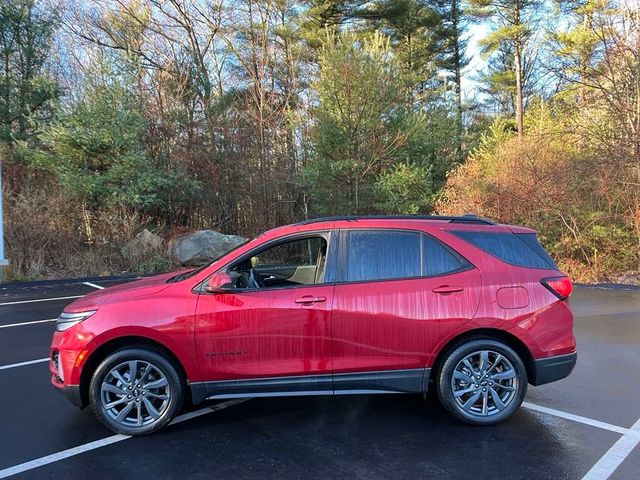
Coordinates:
<point>333,306</point>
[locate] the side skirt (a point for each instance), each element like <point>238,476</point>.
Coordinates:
<point>387,381</point>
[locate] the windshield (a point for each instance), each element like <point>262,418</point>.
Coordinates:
<point>195,271</point>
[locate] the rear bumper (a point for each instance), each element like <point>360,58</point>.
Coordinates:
<point>547,370</point>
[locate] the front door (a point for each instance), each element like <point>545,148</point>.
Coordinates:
<point>271,334</point>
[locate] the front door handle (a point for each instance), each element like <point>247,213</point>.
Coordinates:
<point>447,289</point>
<point>308,300</point>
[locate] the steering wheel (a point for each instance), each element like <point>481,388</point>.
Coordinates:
<point>254,280</point>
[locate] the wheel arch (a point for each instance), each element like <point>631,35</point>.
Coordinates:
<point>114,344</point>
<point>484,333</point>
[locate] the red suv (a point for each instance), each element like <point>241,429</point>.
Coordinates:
<point>332,306</point>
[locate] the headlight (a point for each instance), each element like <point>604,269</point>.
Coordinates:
<point>68,320</point>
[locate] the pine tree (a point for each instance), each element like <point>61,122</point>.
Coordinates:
<point>416,36</point>
<point>363,124</point>
<point>577,46</point>
<point>26,31</point>
<point>513,26</point>
<point>454,24</point>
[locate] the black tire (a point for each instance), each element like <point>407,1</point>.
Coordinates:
<point>446,383</point>
<point>162,369</point>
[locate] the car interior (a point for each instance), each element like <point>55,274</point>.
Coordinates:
<point>296,262</point>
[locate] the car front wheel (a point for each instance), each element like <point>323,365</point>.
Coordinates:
<point>482,382</point>
<point>136,391</point>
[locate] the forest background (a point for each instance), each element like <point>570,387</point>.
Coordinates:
<point>238,116</point>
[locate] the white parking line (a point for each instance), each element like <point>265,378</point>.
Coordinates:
<point>614,456</point>
<point>633,432</point>
<point>20,324</point>
<point>71,452</point>
<point>41,300</point>
<point>22,364</point>
<point>93,285</point>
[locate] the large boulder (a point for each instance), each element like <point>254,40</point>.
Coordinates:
<point>143,245</point>
<point>203,246</point>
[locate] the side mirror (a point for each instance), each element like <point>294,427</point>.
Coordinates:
<point>219,283</point>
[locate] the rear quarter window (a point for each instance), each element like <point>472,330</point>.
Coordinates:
<point>520,249</point>
<point>439,259</point>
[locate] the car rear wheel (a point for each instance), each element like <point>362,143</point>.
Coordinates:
<point>482,382</point>
<point>136,391</point>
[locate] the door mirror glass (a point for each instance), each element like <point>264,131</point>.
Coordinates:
<point>219,283</point>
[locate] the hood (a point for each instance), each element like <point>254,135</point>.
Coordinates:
<point>137,288</point>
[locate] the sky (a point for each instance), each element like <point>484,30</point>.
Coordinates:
<point>476,62</point>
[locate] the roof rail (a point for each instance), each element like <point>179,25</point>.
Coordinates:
<point>467,218</point>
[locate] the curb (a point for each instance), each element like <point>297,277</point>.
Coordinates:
<point>610,286</point>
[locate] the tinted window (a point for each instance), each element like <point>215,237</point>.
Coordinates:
<point>383,255</point>
<point>517,249</point>
<point>438,259</point>
<point>531,239</point>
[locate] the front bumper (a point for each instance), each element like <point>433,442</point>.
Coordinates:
<point>58,377</point>
<point>547,370</point>
<point>72,392</point>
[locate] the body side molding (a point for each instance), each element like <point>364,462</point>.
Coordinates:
<point>387,381</point>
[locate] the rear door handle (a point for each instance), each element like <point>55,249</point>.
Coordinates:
<point>447,289</point>
<point>308,300</point>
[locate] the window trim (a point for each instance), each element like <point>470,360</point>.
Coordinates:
<point>330,267</point>
<point>343,251</point>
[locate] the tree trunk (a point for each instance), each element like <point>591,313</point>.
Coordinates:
<point>457,59</point>
<point>519,112</point>
<point>518,67</point>
<point>585,57</point>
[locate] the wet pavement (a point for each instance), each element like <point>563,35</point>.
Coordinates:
<point>585,425</point>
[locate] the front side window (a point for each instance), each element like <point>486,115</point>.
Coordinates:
<point>385,255</point>
<point>292,263</point>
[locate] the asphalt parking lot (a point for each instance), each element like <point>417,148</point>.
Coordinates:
<point>586,426</point>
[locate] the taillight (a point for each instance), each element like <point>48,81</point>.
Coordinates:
<point>561,287</point>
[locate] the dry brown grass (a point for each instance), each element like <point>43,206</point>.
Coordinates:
<point>47,236</point>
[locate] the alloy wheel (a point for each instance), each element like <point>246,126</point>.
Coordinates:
<point>484,383</point>
<point>135,393</point>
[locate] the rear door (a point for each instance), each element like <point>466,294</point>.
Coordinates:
<point>398,295</point>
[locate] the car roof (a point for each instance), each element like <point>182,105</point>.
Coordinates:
<point>417,222</point>
<point>468,218</point>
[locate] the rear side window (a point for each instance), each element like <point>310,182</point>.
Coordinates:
<point>519,249</point>
<point>438,259</point>
<point>385,255</point>
<point>382,255</point>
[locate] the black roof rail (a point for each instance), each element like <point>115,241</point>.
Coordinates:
<point>468,218</point>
